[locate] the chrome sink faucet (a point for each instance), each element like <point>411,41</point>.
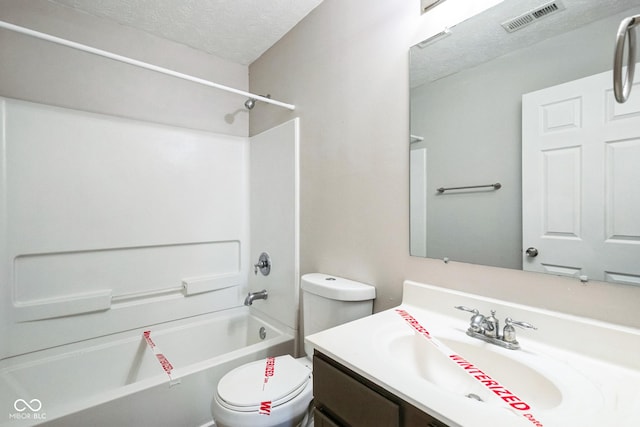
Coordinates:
<point>488,328</point>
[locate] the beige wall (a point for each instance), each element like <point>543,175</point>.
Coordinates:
<point>345,67</point>
<point>44,72</point>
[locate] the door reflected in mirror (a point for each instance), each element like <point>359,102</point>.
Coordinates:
<point>468,129</point>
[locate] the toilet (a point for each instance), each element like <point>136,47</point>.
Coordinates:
<point>277,391</point>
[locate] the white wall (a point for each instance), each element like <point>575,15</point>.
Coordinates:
<point>345,67</point>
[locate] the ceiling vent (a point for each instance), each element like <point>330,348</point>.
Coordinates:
<point>533,15</point>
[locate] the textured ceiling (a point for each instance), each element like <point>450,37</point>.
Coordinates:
<point>482,38</point>
<point>237,30</point>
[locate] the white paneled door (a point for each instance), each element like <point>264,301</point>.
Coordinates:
<point>581,181</point>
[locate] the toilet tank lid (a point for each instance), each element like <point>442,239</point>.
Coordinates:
<point>337,288</point>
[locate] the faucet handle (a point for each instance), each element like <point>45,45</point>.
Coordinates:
<point>510,321</point>
<point>509,332</point>
<point>470,310</point>
<point>264,264</point>
<point>477,321</point>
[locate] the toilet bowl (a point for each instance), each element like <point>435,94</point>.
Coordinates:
<point>272,392</point>
<point>277,391</point>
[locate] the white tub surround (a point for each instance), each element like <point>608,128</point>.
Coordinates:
<point>275,219</point>
<point>112,224</point>
<point>112,227</point>
<point>570,371</point>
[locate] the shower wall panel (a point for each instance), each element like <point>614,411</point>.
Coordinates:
<point>275,213</point>
<point>110,224</point>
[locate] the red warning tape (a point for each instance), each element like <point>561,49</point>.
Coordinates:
<point>514,403</point>
<point>164,362</point>
<point>265,408</point>
<point>269,371</point>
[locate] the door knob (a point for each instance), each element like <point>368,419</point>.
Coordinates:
<point>532,252</point>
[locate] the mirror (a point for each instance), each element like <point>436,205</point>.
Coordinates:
<point>467,86</point>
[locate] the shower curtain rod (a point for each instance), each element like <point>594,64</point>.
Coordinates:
<point>140,64</point>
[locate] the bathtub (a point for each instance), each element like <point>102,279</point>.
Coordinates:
<point>118,381</point>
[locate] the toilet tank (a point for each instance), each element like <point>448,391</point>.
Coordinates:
<point>329,301</point>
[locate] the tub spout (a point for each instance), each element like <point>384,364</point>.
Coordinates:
<point>251,296</point>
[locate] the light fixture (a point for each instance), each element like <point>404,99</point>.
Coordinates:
<point>426,5</point>
<point>434,38</point>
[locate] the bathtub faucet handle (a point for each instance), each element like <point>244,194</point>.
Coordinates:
<point>264,264</point>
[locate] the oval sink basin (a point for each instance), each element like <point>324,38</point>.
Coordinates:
<point>417,354</point>
<point>474,371</point>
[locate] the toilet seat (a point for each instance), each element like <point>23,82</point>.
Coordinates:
<point>272,380</point>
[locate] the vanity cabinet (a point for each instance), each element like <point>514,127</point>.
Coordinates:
<point>344,398</point>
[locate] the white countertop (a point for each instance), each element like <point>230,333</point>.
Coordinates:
<point>592,368</point>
